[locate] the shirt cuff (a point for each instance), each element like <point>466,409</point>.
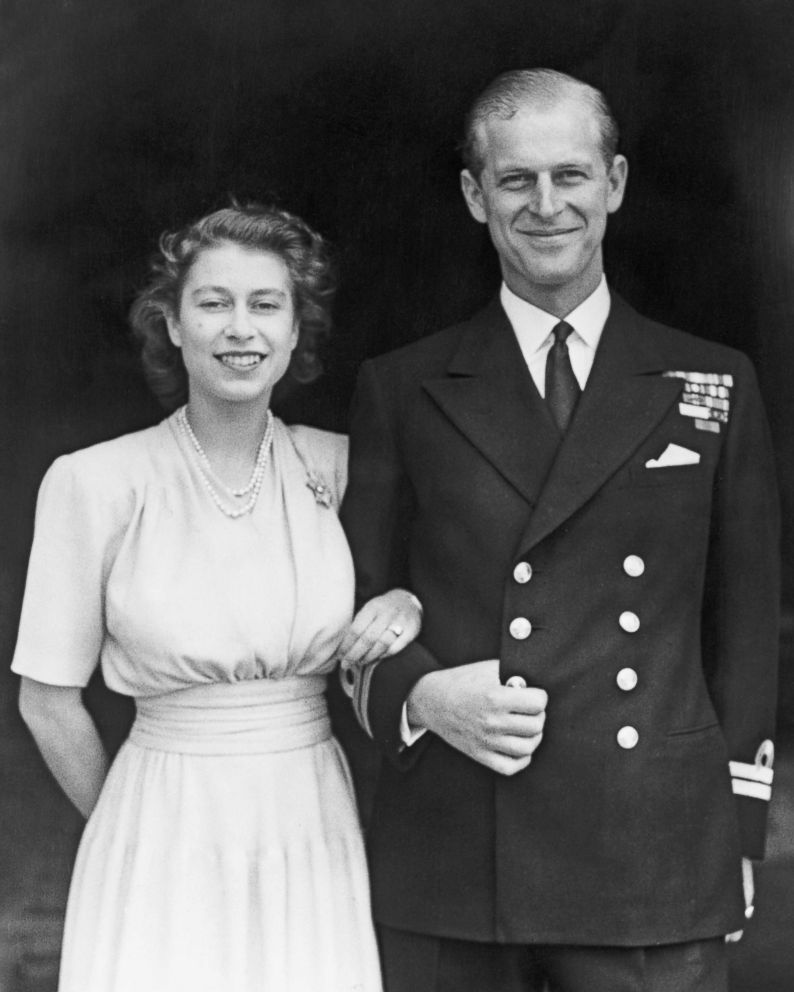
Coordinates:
<point>409,735</point>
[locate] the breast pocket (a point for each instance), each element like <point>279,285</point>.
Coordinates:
<point>671,475</point>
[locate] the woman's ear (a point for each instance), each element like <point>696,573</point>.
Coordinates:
<point>174,332</point>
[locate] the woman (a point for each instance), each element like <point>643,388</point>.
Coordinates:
<point>202,562</point>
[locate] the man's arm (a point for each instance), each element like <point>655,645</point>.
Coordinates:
<point>376,513</point>
<point>741,621</point>
<point>465,705</point>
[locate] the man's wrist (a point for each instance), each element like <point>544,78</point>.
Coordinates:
<point>416,704</point>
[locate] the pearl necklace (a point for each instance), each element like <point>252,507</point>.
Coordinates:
<point>207,474</point>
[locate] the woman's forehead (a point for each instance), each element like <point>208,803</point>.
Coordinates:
<point>233,264</point>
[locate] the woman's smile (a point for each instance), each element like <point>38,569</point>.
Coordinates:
<point>241,361</point>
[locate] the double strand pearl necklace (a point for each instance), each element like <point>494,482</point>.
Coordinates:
<point>207,474</point>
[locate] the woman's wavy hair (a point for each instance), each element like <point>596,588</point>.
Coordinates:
<point>260,228</point>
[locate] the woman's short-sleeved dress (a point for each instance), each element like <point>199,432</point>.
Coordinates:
<point>225,851</point>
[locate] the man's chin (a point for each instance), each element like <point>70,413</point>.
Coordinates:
<point>551,276</point>
<point>557,271</point>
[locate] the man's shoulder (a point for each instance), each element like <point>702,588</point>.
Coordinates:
<point>688,351</point>
<point>434,351</point>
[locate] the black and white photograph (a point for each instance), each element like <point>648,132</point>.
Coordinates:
<point>397,560</point>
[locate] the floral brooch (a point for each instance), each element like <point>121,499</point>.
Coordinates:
<point>322,492</point>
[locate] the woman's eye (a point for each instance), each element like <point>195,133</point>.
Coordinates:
<point>265,306</point>
<point>212,304</point>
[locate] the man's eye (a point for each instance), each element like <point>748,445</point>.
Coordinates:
<point>571,176</point>
<point>514,182</point>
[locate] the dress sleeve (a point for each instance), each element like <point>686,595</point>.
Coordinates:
<point>62,624</point>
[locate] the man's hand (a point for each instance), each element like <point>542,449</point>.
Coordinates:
<point>749,899</point>
<point>496,725</point>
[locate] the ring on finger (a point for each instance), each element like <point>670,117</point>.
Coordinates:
<point>396,629</point>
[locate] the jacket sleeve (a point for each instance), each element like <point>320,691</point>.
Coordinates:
<point>377,514</point>
<point>742,611</point>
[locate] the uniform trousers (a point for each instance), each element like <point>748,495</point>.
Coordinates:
<point>421,963</point>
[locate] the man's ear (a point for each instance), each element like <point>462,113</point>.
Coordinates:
<point>472,194</point>
<point>173,330</point>
<point>617,176</point>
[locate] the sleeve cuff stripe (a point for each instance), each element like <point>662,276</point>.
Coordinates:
<point>753,789</point>
<point>361,696</point>
<point>753,773</point>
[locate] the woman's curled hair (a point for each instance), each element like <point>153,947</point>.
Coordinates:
<point>259,228</point>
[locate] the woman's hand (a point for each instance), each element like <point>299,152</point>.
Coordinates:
<point>381,628</point>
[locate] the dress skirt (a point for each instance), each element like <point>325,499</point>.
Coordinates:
<point>225,852</point>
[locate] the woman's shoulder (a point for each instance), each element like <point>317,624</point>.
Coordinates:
<point>323,444</point>
<point>325,454</point>
<point>113,466</point>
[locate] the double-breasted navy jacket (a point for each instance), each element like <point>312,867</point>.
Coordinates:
<point>643,599</point>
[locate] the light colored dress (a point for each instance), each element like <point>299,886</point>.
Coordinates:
<point>224,854</point>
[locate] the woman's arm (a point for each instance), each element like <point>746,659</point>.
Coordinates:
<point>67,738</point>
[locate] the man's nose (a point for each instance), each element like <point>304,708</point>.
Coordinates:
<point>544,201</point>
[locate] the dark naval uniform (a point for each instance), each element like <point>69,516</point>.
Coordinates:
<point>630,570</point>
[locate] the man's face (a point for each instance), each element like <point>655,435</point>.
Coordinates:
<point>545,192</point>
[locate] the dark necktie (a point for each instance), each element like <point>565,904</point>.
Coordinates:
<point>562,389</point>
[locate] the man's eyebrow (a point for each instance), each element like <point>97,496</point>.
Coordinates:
<point>522,170</point>
<point>511,171</point>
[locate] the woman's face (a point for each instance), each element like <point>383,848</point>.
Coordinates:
<point>236,324</point>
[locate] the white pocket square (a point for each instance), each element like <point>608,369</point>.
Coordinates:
<point>674,454</point>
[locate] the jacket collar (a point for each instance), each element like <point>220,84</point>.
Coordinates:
<point>489,394</point>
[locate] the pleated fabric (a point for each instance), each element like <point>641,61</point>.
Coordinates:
<point>225,853</point>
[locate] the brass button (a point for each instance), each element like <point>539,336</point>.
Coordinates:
<point>628,737</point>
<point>627,679</point>
<point>633,566</point>
<point>520,628</point>
<point>629,621</point>
<point>522,572</point>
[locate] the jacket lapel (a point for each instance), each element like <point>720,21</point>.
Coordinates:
<point>488,393</point>
<point>624,400</point>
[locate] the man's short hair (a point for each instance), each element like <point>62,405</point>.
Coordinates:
<point>512,90</point>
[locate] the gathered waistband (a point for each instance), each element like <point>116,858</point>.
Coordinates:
<point>253,717</point>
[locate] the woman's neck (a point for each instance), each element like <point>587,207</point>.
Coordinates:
<point>229,434</point>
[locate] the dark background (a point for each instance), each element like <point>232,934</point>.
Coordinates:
<point>120,118</point>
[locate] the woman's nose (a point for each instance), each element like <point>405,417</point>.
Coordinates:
<point>239,324</point>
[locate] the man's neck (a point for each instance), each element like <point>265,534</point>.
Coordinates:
<point>559,301</point>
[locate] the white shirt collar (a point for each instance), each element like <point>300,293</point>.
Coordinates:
<point>533,325</point>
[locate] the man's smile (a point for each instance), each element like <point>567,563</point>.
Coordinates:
<point>556,233</point>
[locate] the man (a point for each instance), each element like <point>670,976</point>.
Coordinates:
<point>584,502</point>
